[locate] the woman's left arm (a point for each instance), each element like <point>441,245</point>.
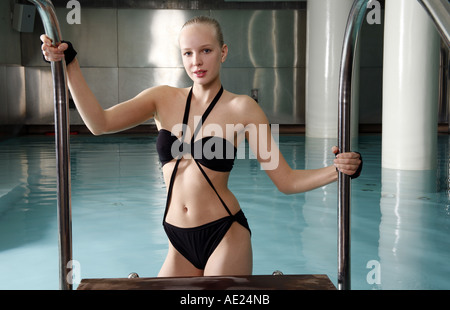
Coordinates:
<point>288,180</point>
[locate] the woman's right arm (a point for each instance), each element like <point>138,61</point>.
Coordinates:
<point>99,121</point>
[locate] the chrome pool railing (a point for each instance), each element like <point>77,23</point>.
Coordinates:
<point>47,12</point>
<point>353,27</point>
<point>439,10</point>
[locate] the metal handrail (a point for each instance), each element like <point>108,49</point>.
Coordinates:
<point>439,10</point>
<point>353,27</point>
<point>47,12</point>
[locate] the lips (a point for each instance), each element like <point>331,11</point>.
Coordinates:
<point>200,73</point>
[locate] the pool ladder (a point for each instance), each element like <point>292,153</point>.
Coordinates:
<point>439,10</point>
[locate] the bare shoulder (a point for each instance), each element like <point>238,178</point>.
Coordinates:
<point>162,97</point>
<point>163,92</point>
<point>246,109</point>
<point>169,102</point>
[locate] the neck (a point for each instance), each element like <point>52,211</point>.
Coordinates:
<point>204,94</point>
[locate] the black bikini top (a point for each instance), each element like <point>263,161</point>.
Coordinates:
<point>215,153</point>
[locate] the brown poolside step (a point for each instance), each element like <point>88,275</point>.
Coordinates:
<point>256,282</point>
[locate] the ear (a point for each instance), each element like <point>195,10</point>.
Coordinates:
<point>224,53</point>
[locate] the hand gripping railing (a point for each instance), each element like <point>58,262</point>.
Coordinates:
<point>51,26</point>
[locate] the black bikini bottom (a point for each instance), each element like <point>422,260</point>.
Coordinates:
<point>197,244</point>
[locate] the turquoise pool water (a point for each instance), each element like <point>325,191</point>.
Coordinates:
<point>400,220</point>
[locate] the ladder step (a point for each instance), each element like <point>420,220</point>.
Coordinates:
<point>257,282</point>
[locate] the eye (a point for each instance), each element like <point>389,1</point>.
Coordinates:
<point>207,51</point>
<point>187,54</point>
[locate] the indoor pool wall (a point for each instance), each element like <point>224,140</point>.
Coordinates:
<point>400,220</point>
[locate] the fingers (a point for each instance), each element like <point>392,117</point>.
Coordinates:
<point>347,163</point>
<point>347,169</point>
<point>348,155</point>
<point>45,39</point>
<point>51,52</point>
<point>335,150</point>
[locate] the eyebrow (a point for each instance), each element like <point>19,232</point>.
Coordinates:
<point>201,47</point>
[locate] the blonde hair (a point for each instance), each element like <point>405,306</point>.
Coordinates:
<point>206,20</point>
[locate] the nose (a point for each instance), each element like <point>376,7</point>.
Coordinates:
<point>197,59</point>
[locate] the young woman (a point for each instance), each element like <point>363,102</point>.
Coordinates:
<point>207,230</point>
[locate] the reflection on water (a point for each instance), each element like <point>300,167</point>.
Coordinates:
<point>320,210</point>
<point>400,219</point>
<point>412,246</point>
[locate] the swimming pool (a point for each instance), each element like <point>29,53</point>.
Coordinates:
<point>400,220</point>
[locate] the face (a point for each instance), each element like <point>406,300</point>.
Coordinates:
<point>201,53</point>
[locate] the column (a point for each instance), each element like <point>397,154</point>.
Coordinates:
<point>326,22</point>
<point>410,87</point>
